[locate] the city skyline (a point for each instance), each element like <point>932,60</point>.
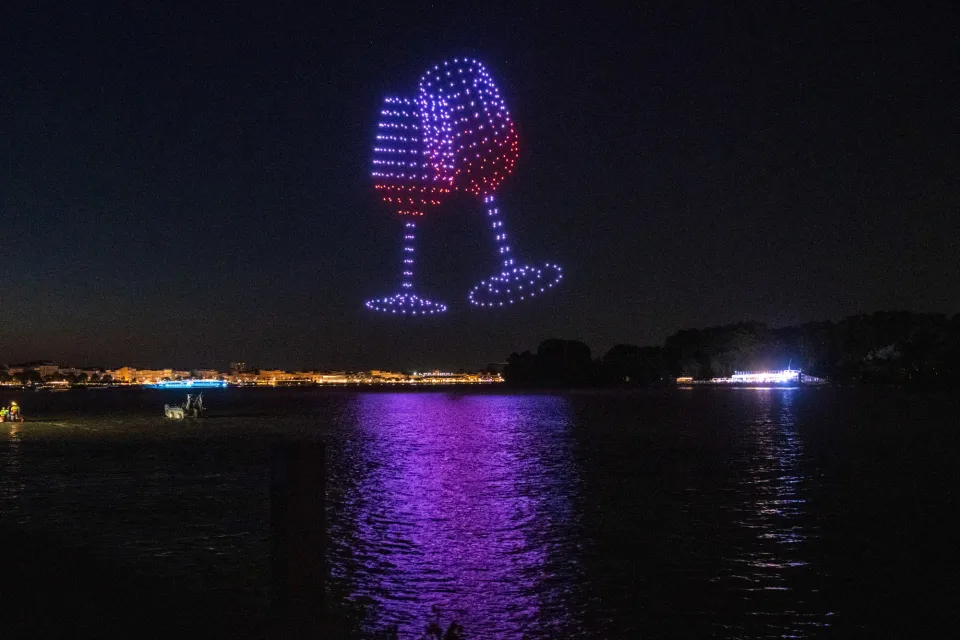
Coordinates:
<point>184,186</point>
<point>51,375</point>
<point>46,367</point>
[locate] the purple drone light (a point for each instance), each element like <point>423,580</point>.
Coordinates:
<point>406,304</point>
<point>483,143</point>
<point>515,285</point>
<point>457,135</point>
<point>410,182</point>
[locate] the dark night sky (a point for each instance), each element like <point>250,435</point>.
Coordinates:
<point>184,187</point>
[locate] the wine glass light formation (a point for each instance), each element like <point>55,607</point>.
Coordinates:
<point>468,128</point>
<point>409,179</point>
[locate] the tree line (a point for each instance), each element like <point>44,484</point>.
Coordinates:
<point>886,346</point>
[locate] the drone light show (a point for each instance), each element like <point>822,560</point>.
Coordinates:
<point>410,183</point>
<point>457,136</point>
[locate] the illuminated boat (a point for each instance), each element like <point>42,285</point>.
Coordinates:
<point>11,413</point>
<point>188,384</point>
<point>174,411</point>
<point>192,408</point>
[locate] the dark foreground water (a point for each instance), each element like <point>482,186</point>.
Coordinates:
<point>730,513</point>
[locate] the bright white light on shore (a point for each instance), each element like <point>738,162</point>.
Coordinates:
<point>768,377</point>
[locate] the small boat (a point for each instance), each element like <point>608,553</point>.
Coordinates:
<point>11,413</point>
<point>174,411</point>
<point>192,408</point>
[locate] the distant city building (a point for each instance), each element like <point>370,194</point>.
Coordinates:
<point>333,377</point>
<point>43,367</point>
<point>132,375</point>
<point>385,376</point>
<point>123,374</point>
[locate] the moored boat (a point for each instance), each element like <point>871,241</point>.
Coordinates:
<point>192,408</point>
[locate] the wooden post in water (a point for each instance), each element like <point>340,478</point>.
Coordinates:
<point>297,483</point>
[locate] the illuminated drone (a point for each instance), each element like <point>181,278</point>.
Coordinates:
<point>410,182</point>
<point>457,135</point>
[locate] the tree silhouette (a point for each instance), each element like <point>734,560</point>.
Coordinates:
<point>886,346</point>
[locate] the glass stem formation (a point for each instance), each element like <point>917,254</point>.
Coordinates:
<point>499,234</point>
<point>409,237</point>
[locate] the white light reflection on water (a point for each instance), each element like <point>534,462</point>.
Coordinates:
<point>11,467</point>
<point>778,560</point>
<point>464,505</point>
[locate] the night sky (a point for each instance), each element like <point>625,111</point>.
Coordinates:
<point>183,187</point>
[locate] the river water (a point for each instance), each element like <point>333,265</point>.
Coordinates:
<point>728,513</point>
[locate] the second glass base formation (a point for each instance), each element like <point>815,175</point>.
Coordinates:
<point>515,284</point>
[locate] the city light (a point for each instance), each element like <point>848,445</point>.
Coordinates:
<point>49,375</point>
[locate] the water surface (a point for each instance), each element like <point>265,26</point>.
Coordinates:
<point>729,513</point>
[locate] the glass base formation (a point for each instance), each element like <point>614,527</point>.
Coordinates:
<point>406,304</point>
<point>515,284</point>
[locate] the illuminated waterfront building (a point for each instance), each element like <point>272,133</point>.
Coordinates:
<point>783,377</point>
<point>131,375</point>
<point>123,374</point>
<point>766,377</point>
<point>336,377</point>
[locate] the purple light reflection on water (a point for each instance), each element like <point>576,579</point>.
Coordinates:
<point>464,505</point>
